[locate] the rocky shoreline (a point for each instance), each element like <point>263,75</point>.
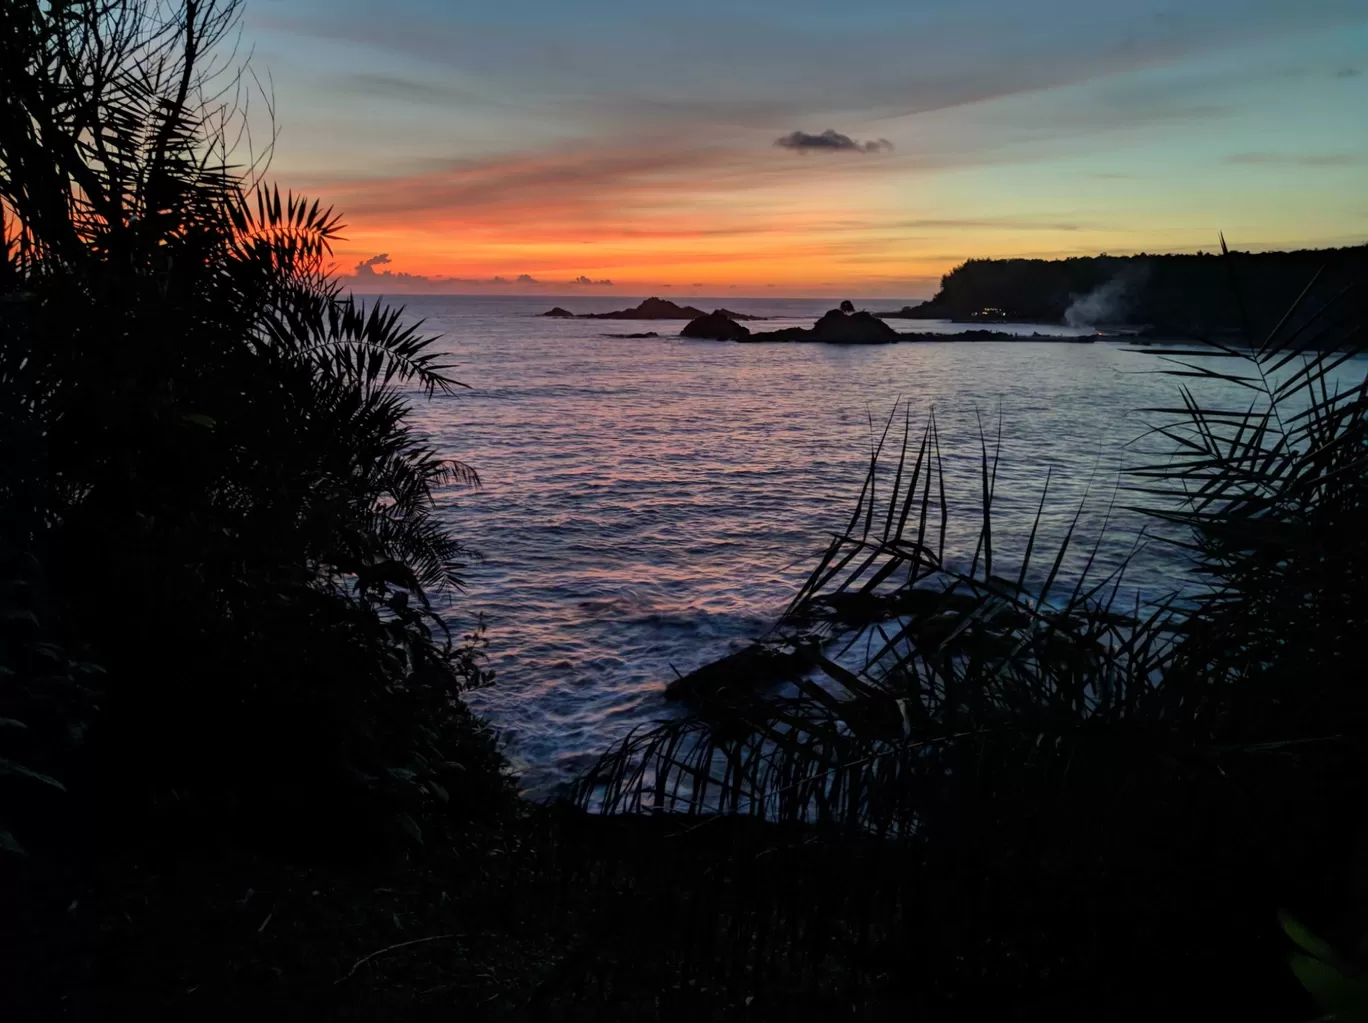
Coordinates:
<point>845,326</point>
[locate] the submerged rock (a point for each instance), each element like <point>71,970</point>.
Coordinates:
<point>783,334</point>
<point>737,675</point>
<point>716,326</point>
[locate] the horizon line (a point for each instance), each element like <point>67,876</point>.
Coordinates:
<point>624,295</point>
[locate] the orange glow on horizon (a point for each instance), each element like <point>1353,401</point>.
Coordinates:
<point>655,216</point>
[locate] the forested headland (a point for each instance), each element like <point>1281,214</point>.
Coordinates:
<point>1179,293</point>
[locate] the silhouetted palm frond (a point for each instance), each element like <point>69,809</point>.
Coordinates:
<point>196,407</point>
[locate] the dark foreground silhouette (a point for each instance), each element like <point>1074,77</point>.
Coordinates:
<point>238,779</point>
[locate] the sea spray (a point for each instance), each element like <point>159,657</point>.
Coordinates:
<point>1109,302</point>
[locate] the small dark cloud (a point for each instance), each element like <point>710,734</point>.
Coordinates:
<point>366,268</point>
<point>830,141</point>
<point>1347,72</point>
<point>581,279</point>
<point>364,275</point>
<point>1295,159</point>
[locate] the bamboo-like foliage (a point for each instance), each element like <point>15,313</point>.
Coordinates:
<point>897,661</point>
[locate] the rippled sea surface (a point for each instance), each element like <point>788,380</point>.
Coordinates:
<point>648,504</point>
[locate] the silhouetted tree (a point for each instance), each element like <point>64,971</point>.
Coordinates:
<point>208,451</point>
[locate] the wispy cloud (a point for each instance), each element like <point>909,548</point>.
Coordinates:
<point>405,89</point>
<point>583,280</point>
<point>830,141</point>
<point>755,67</point>
<point>645,149</point>
<point>1296,159</point>
<point>993,224</point>
<point>664,186</point>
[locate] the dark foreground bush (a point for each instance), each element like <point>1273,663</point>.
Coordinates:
<point>217,546</point>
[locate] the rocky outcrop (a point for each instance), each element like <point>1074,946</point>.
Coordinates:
<point>715,326</point>
<point>860,328</point>
<point>836,328</point>
<point>651,309</point>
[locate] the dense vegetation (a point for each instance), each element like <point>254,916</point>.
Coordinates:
<point>217,546</point>
<point>1178,294</point>
<point>236,775</point>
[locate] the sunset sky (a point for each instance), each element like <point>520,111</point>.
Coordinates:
<point>805,146</point>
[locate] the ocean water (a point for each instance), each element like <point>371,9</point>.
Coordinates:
<point>647,505</point>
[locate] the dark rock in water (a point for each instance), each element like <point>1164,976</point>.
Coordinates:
<point>649,333</point>
<point>716,326</point>
<point>836,328</point>
<point>860,328</point>
<point>651,309</point>
<point>739,673</point>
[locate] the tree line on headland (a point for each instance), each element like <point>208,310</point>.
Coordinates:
<point>1179,293</point>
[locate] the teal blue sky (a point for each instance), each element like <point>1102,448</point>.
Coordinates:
<point>654,145</point>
